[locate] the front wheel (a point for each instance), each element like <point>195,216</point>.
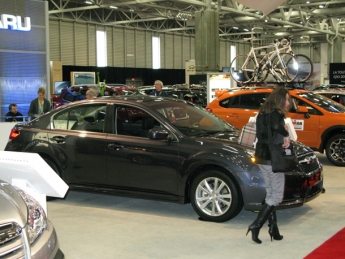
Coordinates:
<point>305,67</point>
<point>214,196</point>
<point>335,150</point>
<point>242,69</point>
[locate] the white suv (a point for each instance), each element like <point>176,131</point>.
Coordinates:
<point>25,231</point>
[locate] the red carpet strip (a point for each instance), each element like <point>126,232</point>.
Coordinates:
<point>333,248</point>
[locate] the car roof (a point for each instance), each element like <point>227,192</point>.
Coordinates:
<point>243,90</point>
<point>134,99</point>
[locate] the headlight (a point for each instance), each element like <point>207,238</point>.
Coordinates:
<point>251,154</point>
<point>37,220</point>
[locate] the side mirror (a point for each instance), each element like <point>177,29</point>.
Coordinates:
<point>304,110</point>
<point>158,134</point>
<point>89,119</point>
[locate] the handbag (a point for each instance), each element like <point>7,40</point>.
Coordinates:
<point>248,135</point>
<point>282,159</point>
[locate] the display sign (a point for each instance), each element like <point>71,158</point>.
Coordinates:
<point>337,73</point>
<point>215,82</point>
<point>11,22</point>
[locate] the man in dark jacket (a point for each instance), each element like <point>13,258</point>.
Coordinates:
<point>158,91</point>
<point>13,113</point>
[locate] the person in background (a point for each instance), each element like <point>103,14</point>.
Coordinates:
<point>40,105</point>
<point>158,91</point>
<point>96,90</point>
<point>276,107</point>
<point>13,113</point>
<point>90,94</point>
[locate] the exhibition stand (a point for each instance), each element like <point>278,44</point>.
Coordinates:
<point>31,173</point>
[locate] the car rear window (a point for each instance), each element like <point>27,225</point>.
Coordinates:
<point>323,102</point>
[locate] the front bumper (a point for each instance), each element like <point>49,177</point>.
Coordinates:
<point>47,246</point>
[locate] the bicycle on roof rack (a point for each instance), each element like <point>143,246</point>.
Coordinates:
<point>252,68</point>
<point>305,66</point>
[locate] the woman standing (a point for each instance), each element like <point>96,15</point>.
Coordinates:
<point>40,105</point>
<point>276,107</point>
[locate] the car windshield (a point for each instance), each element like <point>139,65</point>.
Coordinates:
<point>192,120</point>
<point>323,102</point>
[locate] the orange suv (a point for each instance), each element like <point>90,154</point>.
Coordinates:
<point>319,122</point>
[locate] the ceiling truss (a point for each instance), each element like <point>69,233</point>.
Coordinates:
<point>317,21</point>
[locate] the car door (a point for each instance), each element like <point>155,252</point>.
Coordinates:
<point>78,141</point>
<point>241,107</point>
<point>307,129</point>
<point>136,162</point>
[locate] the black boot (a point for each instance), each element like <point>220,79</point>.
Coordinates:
<point>255,227</point>
<point>273,227</point>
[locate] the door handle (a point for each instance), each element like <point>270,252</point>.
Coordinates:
<point>115,146</point>
<point>58,139</point>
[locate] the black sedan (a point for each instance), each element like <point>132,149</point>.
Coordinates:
<point>159,148</point>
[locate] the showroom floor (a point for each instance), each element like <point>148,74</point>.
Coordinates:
<point>95,226</point>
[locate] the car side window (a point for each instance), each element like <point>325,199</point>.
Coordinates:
<point>81,118</point>
<point>245,101</point>
<point>133,122</point>
<point>299,102</point>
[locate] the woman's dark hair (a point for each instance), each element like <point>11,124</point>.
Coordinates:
<point>276,101</point>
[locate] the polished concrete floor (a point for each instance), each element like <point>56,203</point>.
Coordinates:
<point>95,226</point>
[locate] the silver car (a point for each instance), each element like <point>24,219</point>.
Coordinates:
<point>25,231</point>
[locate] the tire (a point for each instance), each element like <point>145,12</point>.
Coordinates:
<point>305,68</point>
<point>335,150</point>
<point>215,197</point>
<point>242,69</point>
<point>285,65</point>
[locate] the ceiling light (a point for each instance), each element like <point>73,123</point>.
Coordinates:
<point>114,7</point>
<point>308,2</point>
<point>131,10</point>
<point>236,28</point>
<point>321,6</point>
<point>245,29</point>
<point>88,2</point>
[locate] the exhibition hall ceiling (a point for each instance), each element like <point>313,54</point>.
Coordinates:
<point>308,21</point>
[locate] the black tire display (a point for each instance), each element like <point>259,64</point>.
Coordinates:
<point>335,150</point>
<point>214,196</point>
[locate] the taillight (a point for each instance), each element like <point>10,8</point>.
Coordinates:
<point>209,109</point>
<point>14,133</point>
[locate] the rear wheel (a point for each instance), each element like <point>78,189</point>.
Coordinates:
<point>214,196</point>
<point>335,150</point>
<point>305,68</point>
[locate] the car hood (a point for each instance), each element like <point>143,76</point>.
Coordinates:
<point>13,208</point>
<point>233,136</point>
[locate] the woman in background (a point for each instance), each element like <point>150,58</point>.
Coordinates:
<point>40,105</point>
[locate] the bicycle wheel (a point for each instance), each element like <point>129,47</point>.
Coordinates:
<point>284,73</point>
<point>242,69</point>
<point>305,68</point>
<point>263,71</point>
